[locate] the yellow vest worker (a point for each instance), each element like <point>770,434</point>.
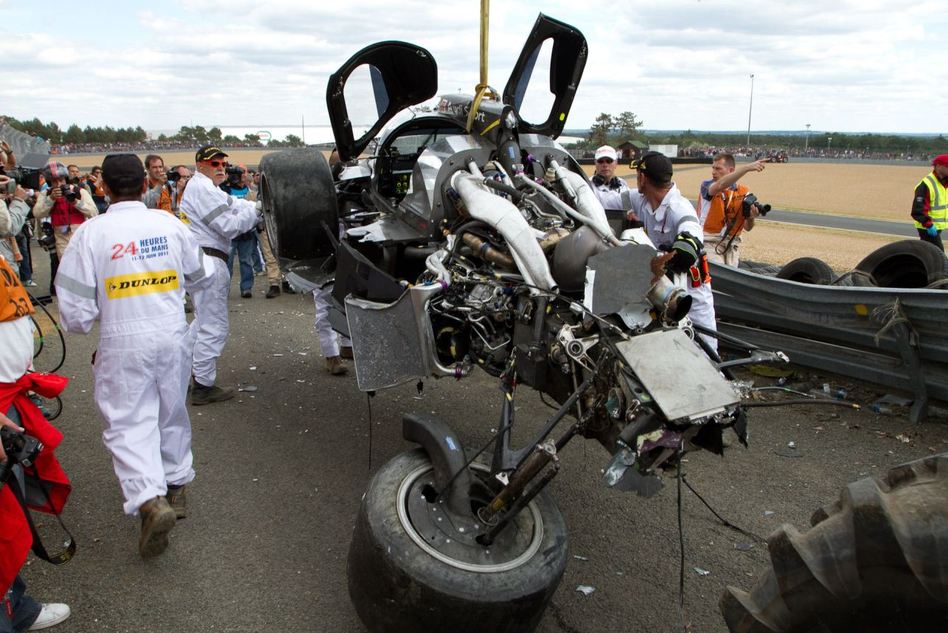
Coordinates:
<point>930,205</point>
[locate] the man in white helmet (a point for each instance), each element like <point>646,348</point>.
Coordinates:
<point>216,218</point>
<point>128,270</point>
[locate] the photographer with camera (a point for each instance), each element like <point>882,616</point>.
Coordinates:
<point>27,459</point>
<point>215,219</point>
<point>67,206</point>
<point>722,211</point>
<point>128,271</point>
<point>13,213</point>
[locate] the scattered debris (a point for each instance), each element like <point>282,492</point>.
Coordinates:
<point>702,572</point>
<point>905,439</point>
<point>791,444</point>
<point>253,368</point>
<point>585,589</point>
<point>578,557</point>
<point>744,547</point>
<point>248,388</point>
<point>769,513</point>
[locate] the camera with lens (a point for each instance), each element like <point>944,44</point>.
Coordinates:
<point>48,239</point>
<point>235,175</point>
<point>70,192</point>
<point>25,177</point>
<point>749,201</point>
<point>173,175</point>
<point>20,449</point>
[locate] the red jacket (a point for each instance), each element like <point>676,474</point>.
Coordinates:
<point>15,537</point>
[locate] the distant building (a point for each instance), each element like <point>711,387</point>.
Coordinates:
<point>631,150</point>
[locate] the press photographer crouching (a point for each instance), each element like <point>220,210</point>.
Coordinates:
<point>67,206</point>
<point>30,475</point>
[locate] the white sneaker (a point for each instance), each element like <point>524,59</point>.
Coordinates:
<point>30,284</point>
<point>51,615</point>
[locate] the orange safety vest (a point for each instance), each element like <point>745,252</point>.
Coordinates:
<point>14,301</point>
<point>726,210</point>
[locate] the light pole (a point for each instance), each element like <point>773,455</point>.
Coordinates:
<point>806,143</point>
<point>829,142</point>
<point>750,109</point>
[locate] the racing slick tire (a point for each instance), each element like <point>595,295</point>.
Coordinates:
<point>403,582</point>
<point>873,561</point>
<point>906,264</point>
<point>299,198</point>
<point>808,270</point>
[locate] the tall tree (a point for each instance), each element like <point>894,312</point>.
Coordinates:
<point>601,129</point>
<point>627,124</point>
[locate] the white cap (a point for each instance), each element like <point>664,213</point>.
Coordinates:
<point>607,151</point>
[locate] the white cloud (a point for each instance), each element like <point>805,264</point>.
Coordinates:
<point>852,65</point>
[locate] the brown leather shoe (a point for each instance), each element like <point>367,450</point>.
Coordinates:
<point>178,500</point>
<point>157,520</point>
<point>346,352</point>
<point>336,367</point>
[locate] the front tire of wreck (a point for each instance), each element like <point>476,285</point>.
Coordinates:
<point>398,586</point>
<point>876,560</point>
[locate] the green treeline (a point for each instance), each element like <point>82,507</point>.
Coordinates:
<point>75,135</point>
<point>615,130</point>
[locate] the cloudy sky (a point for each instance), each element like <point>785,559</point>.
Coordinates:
<point>846,65</point>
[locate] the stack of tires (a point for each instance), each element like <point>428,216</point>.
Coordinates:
<point>904,264</point>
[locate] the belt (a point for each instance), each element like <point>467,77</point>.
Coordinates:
<point>213,252</point>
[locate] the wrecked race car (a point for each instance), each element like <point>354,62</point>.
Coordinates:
<point>468,238</point>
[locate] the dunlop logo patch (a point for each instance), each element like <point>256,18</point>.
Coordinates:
<point>137,284</point>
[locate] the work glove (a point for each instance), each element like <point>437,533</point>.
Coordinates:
<point>932,231</point>
<point>686,248</point>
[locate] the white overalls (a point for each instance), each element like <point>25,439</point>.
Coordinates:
<point>673,216</point>
<point>215,219</point>
<point>129,269</point>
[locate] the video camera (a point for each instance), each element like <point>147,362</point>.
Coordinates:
<point>20,449</point>
<point>26,177</point>
<point>48,239</point>
<point>234,175</point>
<point>749,201</point>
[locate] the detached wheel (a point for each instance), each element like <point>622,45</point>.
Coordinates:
<point>874,561</point>
<point>298,196</point>
<point>414,568</point>
<point>808,270</point>
<point>906,264</point>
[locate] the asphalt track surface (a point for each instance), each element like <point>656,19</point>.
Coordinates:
<point>281,470</point>
<point>849,223</point>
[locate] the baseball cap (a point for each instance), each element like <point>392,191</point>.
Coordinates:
<point>941,160</point>
<point>122,172</point>
<point>208,152</point>
<point>606,151</point>
<point>655,165</point>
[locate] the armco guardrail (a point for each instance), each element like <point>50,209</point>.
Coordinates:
<point>894,337</point>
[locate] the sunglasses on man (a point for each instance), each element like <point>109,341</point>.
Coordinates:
<point>217,163</point>
<point>605,160</point>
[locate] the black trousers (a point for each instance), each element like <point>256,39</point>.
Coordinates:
<point>923,234</point>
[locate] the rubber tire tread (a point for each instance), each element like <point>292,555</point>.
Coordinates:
<point>397,588</point>
<point>872,561</point>
<point>298,196</point>
<point>808,270</point>
<point>906,264</point>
